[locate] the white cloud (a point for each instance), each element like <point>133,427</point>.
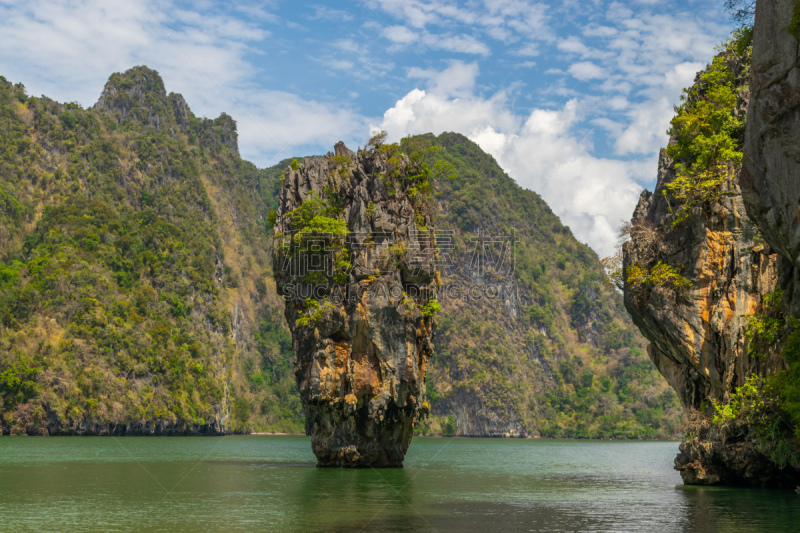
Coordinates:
<point>528,50</point>
<point>354,58</point>
<point>418,14</point>
<point>465,44</point>
<point>456,80</point>
<point>347,45</point>
<point>648,120</point>
<point>400,34</point>
<point>421,112</point>
<point>329,14</point>
<point>585,70</point>
<point>338,64</point>
<point>507,21</point>
<point>614,128</point>
<point>645,132</point>
<point>527,18</point>
<point>617,10</point>
<point>544,153</point>
<point>278,123</point>
<point>594,30</point>
<point>574,45</point>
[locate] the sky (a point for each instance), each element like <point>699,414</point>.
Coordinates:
<point>573,98</point>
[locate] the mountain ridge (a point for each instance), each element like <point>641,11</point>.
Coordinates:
<point>178,226</point>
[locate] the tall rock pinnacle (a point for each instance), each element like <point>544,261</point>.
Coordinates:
<point>355,261</point>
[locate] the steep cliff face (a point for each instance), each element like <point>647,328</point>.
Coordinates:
<point>355,261</point>
<point>695,276</point>
<point>770,179</point>
<point>697,333</point>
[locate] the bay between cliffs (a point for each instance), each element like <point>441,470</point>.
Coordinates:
<point>269,483</point>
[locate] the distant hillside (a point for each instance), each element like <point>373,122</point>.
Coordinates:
<point>559,355</point>
<point>136,293</point>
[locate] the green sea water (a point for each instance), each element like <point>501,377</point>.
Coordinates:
<point>270,483</point>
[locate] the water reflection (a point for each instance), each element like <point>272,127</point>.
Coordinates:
<point>348,500</point>
<point>717,509</point>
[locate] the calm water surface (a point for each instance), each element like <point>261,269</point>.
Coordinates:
<point>260,483</point>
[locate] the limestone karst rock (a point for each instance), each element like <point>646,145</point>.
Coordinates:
<point>770,179</point>
<point>361,318</point>
<point>697,334</point>
<point>138,96</point>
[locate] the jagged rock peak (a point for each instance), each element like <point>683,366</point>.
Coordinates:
<point>137,94</point>
<point>341,150</point>
<point>220,131</point>
<point>180,109</point>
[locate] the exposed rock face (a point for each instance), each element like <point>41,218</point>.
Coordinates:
<point>180,109</point>
<point>770,179</point>
<point>698,338</point>
<point>360,361</point>
<point>698,335</point>
<point>220,131</point>
<point>716,456</point>
<point>475,419</point>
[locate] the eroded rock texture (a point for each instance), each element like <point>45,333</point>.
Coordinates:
<point>697,335</point>
<point>770,179</point>
<point>697,339</point>
<point>715,455</point>
<point>360,361</point>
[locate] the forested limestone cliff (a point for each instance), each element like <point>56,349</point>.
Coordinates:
<point>702,273</point>
<point>133,281</point>
<point>540,346</point>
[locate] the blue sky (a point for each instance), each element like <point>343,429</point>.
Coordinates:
<point>572,98</point>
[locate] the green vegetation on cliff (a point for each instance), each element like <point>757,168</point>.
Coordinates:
<point>708,133</point>
<point>769,406</point>
<point>119,283</point>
